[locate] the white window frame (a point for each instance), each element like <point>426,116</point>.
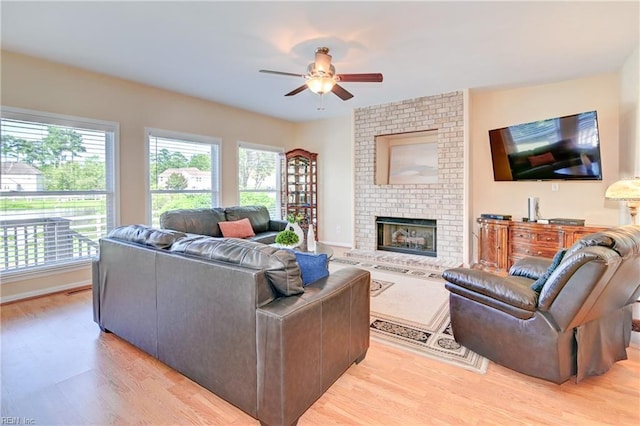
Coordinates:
<point>268,148</point>
<point>112,189</point>
<point>216,181</point>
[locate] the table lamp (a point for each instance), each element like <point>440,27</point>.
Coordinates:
<point>626,190</point>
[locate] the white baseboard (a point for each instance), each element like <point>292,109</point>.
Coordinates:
<point>43,292</point>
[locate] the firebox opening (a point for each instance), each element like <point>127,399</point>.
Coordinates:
<point>411,236</point>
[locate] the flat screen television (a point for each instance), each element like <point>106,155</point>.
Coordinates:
<point>561,148</point>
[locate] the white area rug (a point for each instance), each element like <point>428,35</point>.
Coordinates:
<point>412,312</point>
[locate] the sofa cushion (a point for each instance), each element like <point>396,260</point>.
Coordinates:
<point>236,228</point>
<point>280,266</point>
<point>257,215</point>
<point>142,234</point>
<point>312,266</point>
<point>539,283</point>
<point>194,221</point>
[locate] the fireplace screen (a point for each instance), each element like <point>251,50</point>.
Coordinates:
<point>411,236</point>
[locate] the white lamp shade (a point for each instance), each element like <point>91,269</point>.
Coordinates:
<point>624,190</point>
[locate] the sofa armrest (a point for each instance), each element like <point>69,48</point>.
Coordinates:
<point>306,342</point>
<point>510,294</point>
<point>277,225</point>
<point>530,267</point>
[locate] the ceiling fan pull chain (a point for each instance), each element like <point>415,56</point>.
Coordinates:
<point>321,105</point>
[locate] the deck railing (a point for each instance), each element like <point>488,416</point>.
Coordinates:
<point>36,242</point>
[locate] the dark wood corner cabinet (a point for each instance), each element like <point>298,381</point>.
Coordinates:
<point>502,242</point>
<point>299,193</point>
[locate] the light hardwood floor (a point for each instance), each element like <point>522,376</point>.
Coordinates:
<point>58,368</point>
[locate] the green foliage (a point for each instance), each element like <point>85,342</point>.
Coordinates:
<point>17,148</point>
<point>169,160</point>
<point>258,199</point>
<point>163,202</point>
<point>200,162</point>
<point>177,181</point>
<point>72,176</point>
<point>166,159</point>
<point>12,204</point>
<point>294,218</point>
<point>287,238</point>
<point>59,146</point>
<point>254,167</point>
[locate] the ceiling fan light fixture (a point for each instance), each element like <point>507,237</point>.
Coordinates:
<point>320,84</point>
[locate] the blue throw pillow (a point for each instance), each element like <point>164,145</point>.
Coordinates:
<point>312,266</point>
<point>539,283</point>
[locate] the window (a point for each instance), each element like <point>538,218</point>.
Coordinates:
<point>184,172</point>
<point>259,176</point>
<point>57,192</point>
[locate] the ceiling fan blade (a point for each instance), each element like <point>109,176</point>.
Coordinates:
<point>296,91</point>
<point>283,73</point>
<point>341,92</point>
<point>362,78</point>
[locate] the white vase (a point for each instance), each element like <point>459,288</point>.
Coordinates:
<point>311,239</point>
<point>295,227</point>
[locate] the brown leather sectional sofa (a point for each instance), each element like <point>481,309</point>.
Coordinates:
<point>233,316</point>
<point>205,221</point>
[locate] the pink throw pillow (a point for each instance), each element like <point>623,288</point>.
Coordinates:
<point>236,228</point>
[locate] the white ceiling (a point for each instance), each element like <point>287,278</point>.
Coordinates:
<point>213,50</point>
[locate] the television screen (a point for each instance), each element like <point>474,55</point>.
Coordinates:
<point>562,148</point>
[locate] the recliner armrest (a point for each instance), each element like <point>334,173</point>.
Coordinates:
<point>510,294</point>
<point>530,267</point>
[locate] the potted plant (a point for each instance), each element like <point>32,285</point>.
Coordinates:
<point>287,238</point>
<point>294,225</point>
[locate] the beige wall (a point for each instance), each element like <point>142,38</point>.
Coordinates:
<point>499,108</point>
<point>36,84</point>
<point>40,85</point>
<point>630,116</point>
<point>332,139</point>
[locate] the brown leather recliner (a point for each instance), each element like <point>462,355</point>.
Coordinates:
<point>580,322</point>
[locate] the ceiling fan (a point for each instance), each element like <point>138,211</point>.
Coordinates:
<point>322,78</point>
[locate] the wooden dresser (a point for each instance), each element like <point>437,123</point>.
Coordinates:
<point>502,242</point>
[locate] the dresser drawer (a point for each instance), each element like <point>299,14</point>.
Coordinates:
<point>526,236</point>
<point>522,250</point>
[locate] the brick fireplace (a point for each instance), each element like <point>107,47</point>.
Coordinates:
<point>441,201</point>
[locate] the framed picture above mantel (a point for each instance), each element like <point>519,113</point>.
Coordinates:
<point>407,158</point>
<point>413,164</point>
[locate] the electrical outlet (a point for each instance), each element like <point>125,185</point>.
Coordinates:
<point>555,186</point>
